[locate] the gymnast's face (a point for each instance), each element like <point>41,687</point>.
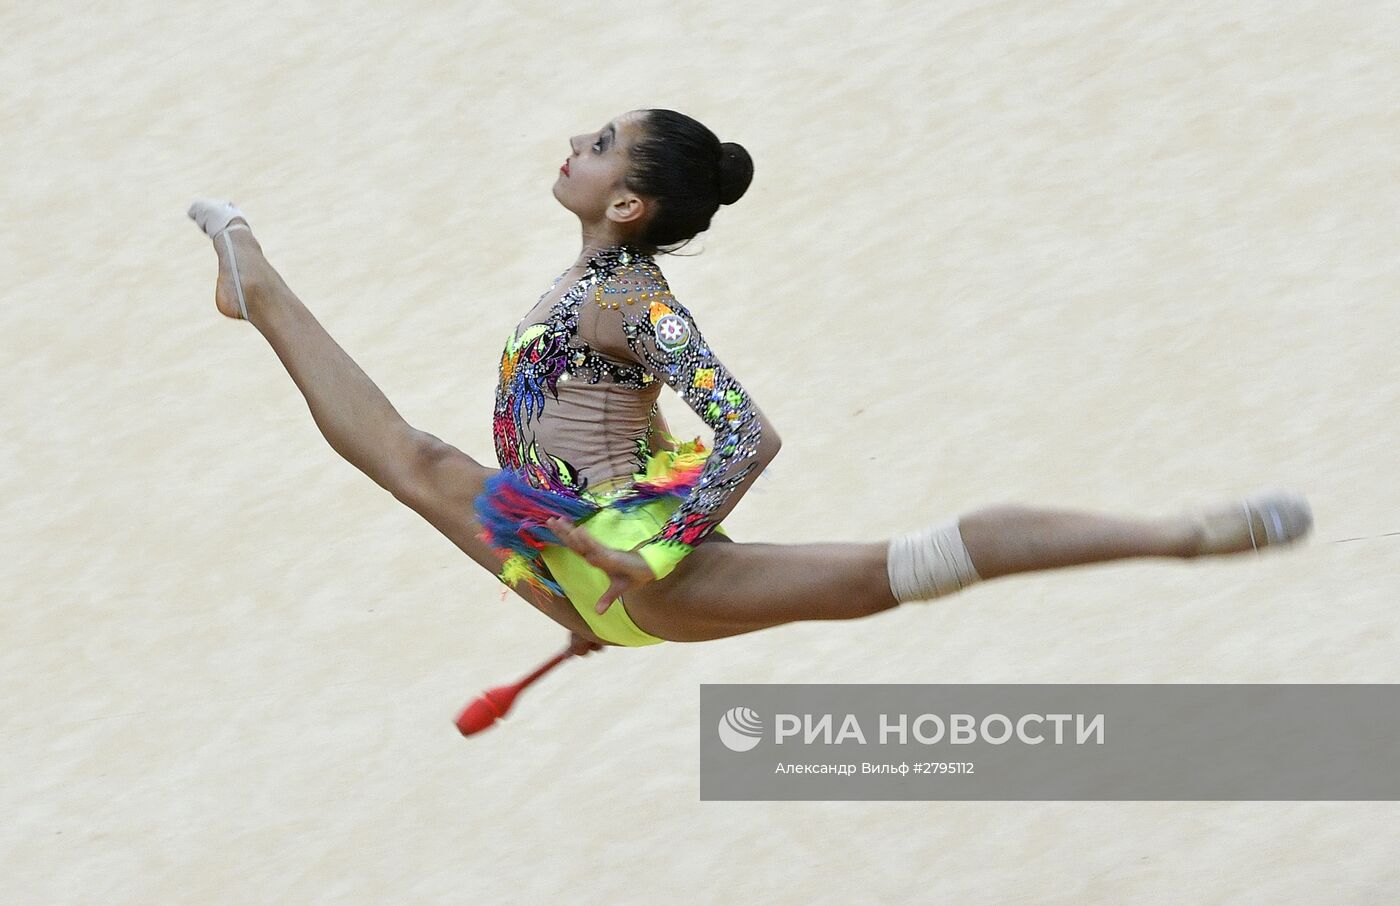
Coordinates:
<point>591,181</point>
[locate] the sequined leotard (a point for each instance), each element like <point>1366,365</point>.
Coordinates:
<point>575,415</point>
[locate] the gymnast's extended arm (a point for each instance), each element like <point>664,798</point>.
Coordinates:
<point>660,334</point>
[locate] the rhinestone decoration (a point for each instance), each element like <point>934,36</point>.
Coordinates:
<point>634,301</point>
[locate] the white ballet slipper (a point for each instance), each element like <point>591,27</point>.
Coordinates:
<point>213,216</point>
<point>1264,519</point>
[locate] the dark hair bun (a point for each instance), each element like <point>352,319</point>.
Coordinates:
<point>735,172</point>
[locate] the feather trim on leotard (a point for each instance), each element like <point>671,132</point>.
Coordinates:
<point>669,473</point>
<point>513,513</point>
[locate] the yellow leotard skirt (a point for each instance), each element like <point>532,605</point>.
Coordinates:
<point>621,514</point>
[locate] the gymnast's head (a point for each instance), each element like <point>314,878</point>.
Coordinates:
<point>651,178</point>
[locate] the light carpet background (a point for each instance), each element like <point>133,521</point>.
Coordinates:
<point>1124,256</point>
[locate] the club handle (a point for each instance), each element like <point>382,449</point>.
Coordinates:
<point>544,668</point>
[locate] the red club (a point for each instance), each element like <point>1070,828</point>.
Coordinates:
<point>494,703</point>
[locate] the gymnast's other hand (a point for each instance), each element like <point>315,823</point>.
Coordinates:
<point>581,646</point>
<point>626,570</point>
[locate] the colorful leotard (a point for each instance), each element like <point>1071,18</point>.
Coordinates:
<point>576,416</point>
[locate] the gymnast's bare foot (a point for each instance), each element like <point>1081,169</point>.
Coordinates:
<point>242,267</point>
<point>1266,519</point>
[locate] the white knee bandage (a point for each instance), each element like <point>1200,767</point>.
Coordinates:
<point>929,563</point>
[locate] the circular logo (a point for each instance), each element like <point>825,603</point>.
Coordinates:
<point>672,332</point>
<point>740,729</point>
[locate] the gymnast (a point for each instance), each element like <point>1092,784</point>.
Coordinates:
<point>598,516</point>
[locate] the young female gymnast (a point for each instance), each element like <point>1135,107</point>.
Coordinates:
<point>597,516</point>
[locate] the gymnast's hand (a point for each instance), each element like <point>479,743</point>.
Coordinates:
<point>581,646</point>
<point>627,570</point>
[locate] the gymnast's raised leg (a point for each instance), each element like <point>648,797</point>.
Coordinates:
<point>721,590</point>
<point>430,476</point>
